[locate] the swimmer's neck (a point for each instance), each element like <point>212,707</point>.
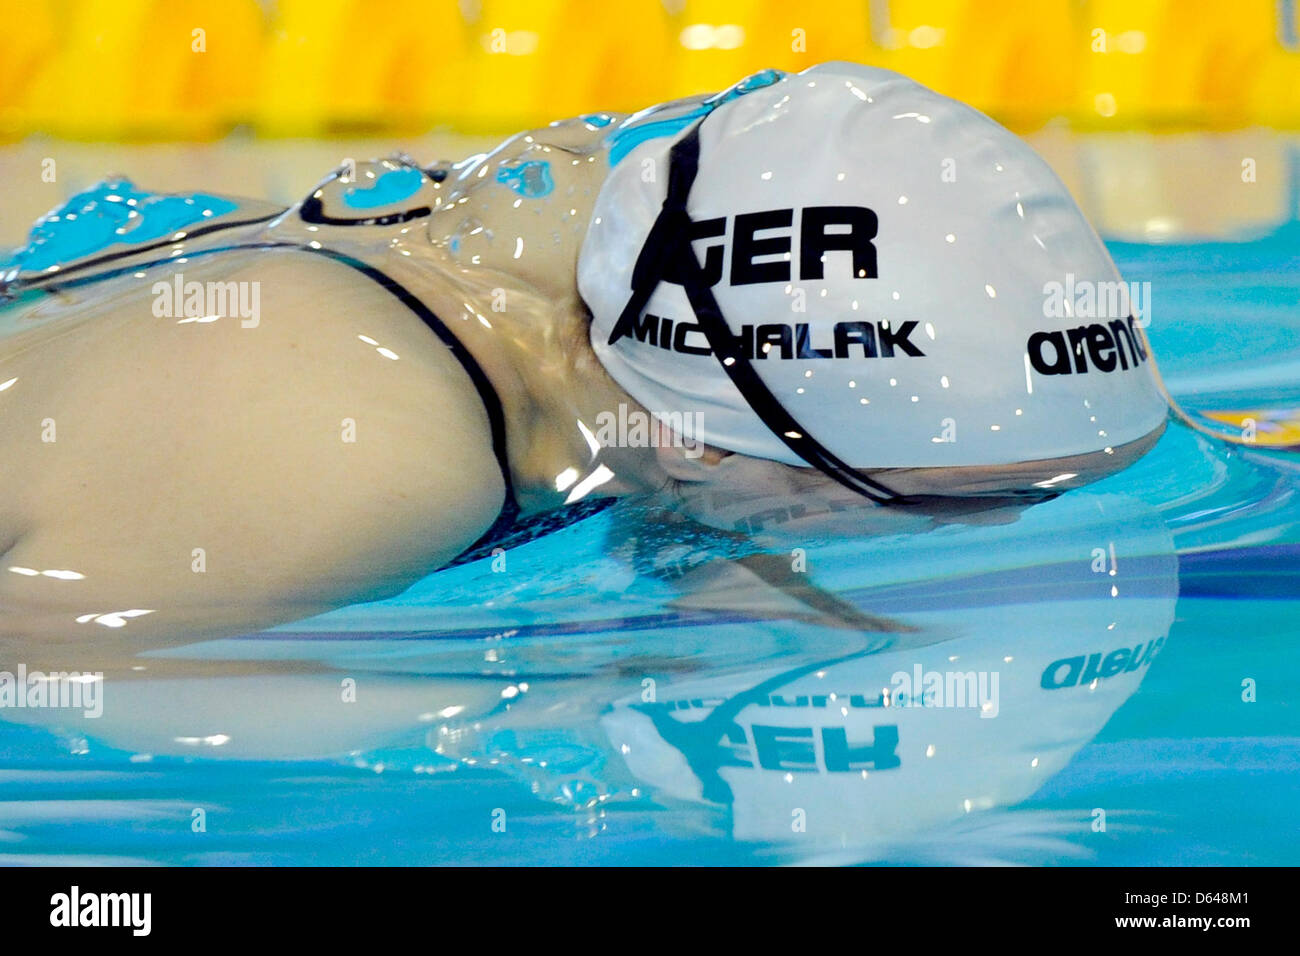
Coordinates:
<point>534,349</point>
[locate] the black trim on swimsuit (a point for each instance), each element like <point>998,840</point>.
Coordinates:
<point>505,521</point>
<point>55,278</point>
<point>313,211</point>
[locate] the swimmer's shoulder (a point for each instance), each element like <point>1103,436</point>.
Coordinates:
<point>335,450</point>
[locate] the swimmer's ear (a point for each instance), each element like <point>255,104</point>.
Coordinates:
<point>686,459</point>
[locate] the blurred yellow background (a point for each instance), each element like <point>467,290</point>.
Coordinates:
<point>142,70</point>
<point>1149,110</point>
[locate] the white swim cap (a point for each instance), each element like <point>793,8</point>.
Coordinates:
<point>883,277</point>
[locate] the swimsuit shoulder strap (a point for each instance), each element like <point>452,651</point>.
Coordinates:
<point>487,394</point>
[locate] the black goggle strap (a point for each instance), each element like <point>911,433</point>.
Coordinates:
<point>667,252</point>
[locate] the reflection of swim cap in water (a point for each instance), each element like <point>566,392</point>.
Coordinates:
<point>874,749</point>
<point>868,288</point>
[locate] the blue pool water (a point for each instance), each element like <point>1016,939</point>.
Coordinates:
<point>638,689</point>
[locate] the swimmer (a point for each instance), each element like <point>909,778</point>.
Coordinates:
<point>222,415</point>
